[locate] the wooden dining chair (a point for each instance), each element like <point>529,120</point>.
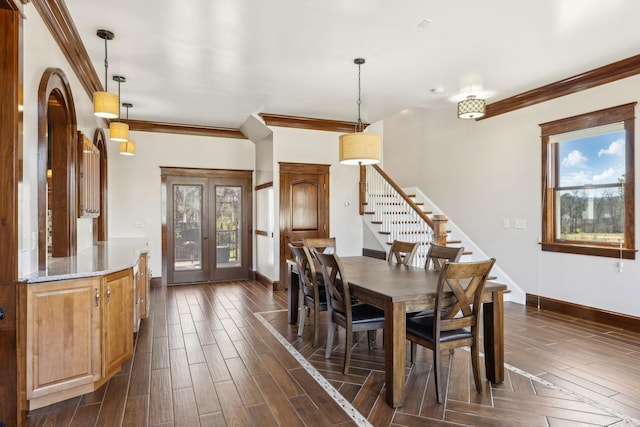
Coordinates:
<point>312,293</point>
<point>438,255</point>
<point>402,252</point>
<point>325,245</point>
<point>456,318</point>
<point>341,312</point>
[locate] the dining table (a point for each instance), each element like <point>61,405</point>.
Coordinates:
<point>398,290</point>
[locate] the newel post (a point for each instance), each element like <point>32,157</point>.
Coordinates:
<point>440,230</point>
<point>363,188</point>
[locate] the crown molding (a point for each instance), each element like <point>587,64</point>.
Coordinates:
<point>587,80</point>
<point>56,17</point>
<point>147,126</point>
<point>308,123</point>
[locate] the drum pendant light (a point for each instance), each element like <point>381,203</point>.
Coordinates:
<point>119,131</point>
<point>128,147</point>
<point>105,104</point>
<point>359,148</point>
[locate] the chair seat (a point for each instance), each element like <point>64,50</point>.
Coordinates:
<point>422,327</point>
<point>322,298</point>
<point>363,313</point>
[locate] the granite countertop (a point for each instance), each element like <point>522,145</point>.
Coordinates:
<point>103,258</point>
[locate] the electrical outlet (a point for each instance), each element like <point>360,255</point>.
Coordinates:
<point>506,223</point>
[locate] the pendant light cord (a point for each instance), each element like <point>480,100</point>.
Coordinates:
<point>106,67</point>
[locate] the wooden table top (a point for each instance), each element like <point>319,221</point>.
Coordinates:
<point>395,281</point>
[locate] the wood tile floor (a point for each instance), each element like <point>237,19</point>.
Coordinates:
<point>203,358</point>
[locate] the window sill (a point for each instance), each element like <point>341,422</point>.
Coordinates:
<point>603,251</point>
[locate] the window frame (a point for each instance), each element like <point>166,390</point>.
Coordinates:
<point>623,113</point>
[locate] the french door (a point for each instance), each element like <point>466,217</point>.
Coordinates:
<point>208,223</point>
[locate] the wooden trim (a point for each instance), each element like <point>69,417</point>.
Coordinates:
<point>265,185</point>
<point>305,168</point>
<point>603,251</point>
<point>374,253</point>
<point>624,321</point>
<point>12,373</point>
<point>100,141</point>
<point>590,79</point>
<point>308,123</point>
<point>147,126</point>
<point>265,281</point>
<point>208,173</point>
<point>57,18</point>
<point>62,132</point>
<point>602,117</point>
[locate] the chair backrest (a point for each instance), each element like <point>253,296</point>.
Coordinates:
<point>325,245</point>
<point>460,308</point>
<point>336,284</point>
<point>402,252</point>
<point>306,270</point>
<point>438,255</point>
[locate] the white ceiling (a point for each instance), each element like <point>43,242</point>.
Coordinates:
<point>216,62</point>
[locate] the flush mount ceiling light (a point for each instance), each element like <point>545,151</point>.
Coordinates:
<point>128,147</point>
<point>105,104</point>
<point>119,131</point>
<point>471,108</point>
<point>359,148</point>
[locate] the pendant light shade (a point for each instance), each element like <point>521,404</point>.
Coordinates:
<point>359,148</point>
<point>128,148</point>
<point>119,131</point>
<point>471,108</point>
<point>106,104</point>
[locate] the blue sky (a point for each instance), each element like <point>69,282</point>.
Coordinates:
<point>595,159</point>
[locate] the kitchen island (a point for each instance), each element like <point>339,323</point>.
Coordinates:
<point>79,318</point>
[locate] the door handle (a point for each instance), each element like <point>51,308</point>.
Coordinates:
<point>287,236</point>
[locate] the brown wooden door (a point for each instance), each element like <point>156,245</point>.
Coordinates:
<point>304,206</point>
<point>208,225</point>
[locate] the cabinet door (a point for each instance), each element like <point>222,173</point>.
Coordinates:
<point>143,293</point>
<point>63,320</point>
<point>117,320</point>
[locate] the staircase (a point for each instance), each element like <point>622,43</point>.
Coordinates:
<point>391,213</point>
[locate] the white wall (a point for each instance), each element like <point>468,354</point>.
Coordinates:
<point>135,208</point>
<point>306,146</point>
<point>480,173</point>
<point>41,52</point>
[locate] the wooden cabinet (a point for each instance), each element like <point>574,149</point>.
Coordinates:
<point>117,320</point>
<point>78,334</point>
<point>142,282</point>
<point>63,334</point>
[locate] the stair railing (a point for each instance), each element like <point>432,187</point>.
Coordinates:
<point>397,214</point>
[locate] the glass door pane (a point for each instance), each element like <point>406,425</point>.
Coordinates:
<point>228,226</point>
<point>187,226</point>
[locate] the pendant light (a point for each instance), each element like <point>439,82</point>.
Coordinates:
<point>128,147</point>
<point>119,131</point>
<point>105,104</point>
<point>359,148</point>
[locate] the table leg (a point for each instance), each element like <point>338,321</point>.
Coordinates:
<point>493,317</point>
<point>395,352</point>
<point>294,290</point>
